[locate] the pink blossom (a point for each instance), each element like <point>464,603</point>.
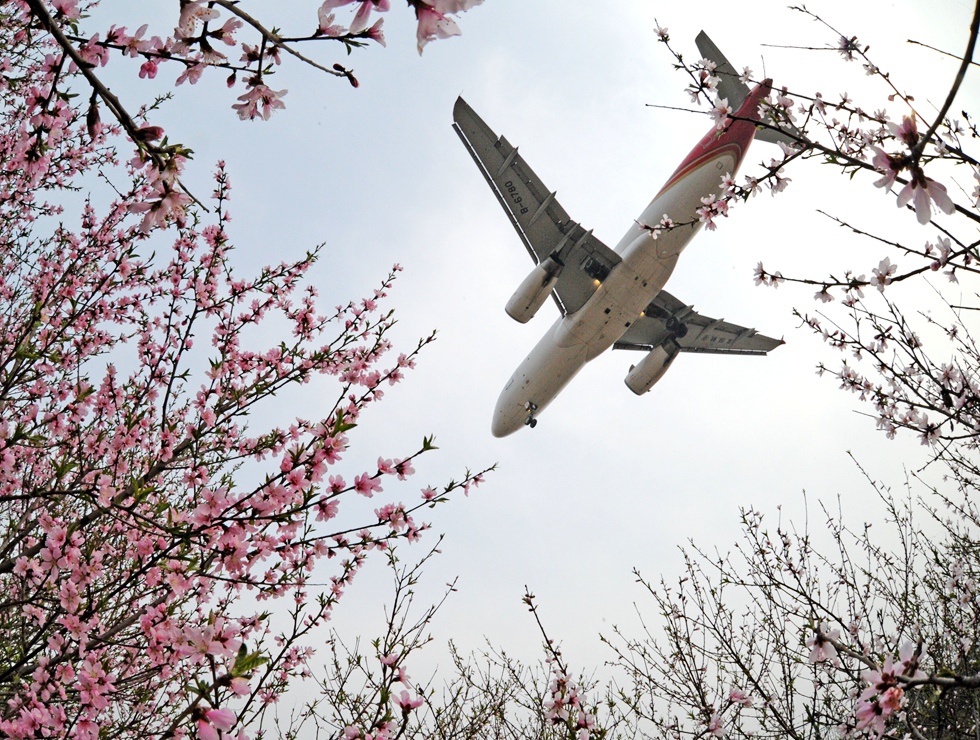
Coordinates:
<point>821,647</point>
<point>207,731</point>
<point>366,485</point>
<point>94,52</point>
<point>847,47</point>
<point>908,653</point>
<point>433,23</point>
<point>67,8</point>
<point>404,468</point>
<point>327,27</point>
<point>720,113</point>
<point>407,703</point>
<point>135,44</point>
<point>192,73</point>
<point>892,700</point>
<point>907,132</point>
<point>193,13</point>
<point>889,164</point>
<point>149,68</point>
<point>258,97</point>
<point>881,276</point>
<point>716,727</point>
<point>226,33</point>
<point>921,190</point>
<point>880,680</point>
<point>870,717</point>
<point>326,510</point>
<point>223,719</point>
<point>363,11</point>
<point>375,33</point>
<point>735,696</point>
<point>710,209</point>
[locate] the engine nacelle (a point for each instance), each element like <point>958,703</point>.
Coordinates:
<point>642,377</point>
<point>534,291</point>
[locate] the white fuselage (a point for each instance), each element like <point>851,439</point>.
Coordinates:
<point>618,301</point>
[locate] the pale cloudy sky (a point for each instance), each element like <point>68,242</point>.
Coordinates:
<point>607,481</point>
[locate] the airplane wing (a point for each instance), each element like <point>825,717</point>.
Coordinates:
<point>734,90</point>
<point>667,317</point>
<point>540,221</point>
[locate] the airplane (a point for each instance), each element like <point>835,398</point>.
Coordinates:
<point>612,298</point>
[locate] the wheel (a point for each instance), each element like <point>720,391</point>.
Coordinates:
<point>676,328</point>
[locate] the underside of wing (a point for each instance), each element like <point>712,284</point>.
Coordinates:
<point>668,318</point>
<point>540,221</point>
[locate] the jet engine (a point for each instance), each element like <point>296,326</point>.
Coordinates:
<point>642,377</point>
<point>534,291</point>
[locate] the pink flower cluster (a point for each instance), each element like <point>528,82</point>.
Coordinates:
<point>884,695</point>
<point>145,510</point>
<point>921,191</point>
<point>566,705</point>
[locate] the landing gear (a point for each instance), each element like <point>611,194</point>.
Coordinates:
<point>530,421</point>
<point>676,328</point>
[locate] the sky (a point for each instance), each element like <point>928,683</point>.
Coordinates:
<point>608,481</point>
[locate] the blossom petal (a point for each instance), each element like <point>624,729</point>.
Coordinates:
<point>433,25</point>
<point>939,196</point>
<point>454,6</point>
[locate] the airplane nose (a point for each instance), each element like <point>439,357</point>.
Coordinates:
<point>505,423</point>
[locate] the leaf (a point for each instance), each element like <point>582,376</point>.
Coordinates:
<point>246,662</point>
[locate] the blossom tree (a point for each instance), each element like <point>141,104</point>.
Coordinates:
<point>167,560</point>
<point>866,633</point>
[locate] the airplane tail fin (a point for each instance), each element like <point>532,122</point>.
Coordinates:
<point>730,87</point>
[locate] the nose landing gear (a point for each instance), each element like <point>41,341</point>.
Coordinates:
<point>530,421</point>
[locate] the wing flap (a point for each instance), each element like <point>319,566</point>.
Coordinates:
<point>668,317</point>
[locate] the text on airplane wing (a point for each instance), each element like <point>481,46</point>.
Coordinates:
<point>666,317</point>
<point>540,221</point>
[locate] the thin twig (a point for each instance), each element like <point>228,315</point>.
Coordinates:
<point>960,75</point>
<point>232,7</point>
<point>940,51</point>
